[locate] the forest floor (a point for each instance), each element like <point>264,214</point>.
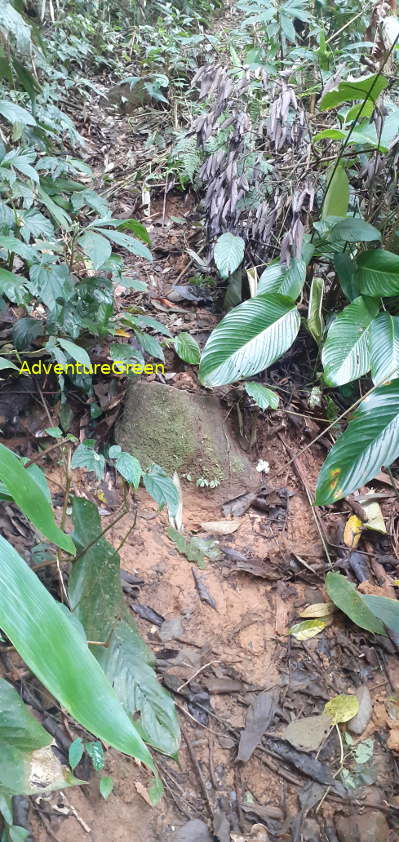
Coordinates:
<point>234,656</point>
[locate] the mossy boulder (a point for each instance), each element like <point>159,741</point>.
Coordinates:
<point>188,433</point>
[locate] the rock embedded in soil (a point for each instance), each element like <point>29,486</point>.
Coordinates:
<point>194,831</point>
<point>362,718</point>
<point>371,826</point>
<point>186,432</point>
<point>129,98</point>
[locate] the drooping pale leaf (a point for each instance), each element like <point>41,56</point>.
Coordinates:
<point>129,468</point>
<point>125,241</point>
<point>310,628</point>
<point>97,247</point>
<point>375,518</point>
<point>345,596</point>
<point>346,354</point>
<point>228,254</point>
<point>342,708</point>
<point>85,456</point>
<point>249,339</point>
<point>384,348</point>
<point>315,321</point>
<point>370,441</point>
<point>187,348</point>
<point>385,609</point>
<point>75,351</point>
<point>31,499</point>
<point>286,280</point>
<point>364,87</point>
<point>378,272</point>
<point>7,364</point>
<point>317,609</point>
<point>15,114</point>
<point>97,600</point>
<point>161,488</point>
<point>54,649</point>
<point>262,396</point>
<point>337,196</point>
<point>354,230</point>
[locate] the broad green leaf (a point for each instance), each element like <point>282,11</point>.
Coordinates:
<point>342,708</point>
<point>97,601</point>
<point>364,87</point>
<point>75,752</point>
<point>35,225</point>
<point>53,648</point>
<point>136,228</point>
<point>228,254</point>
<point>285,280</point>
<point>194,549</point>
<point>15,246</point>
<point>345,269</point>
<point>15,114</point>
<point>384,348</point>
<point>129,468</point>
<point>7,364</point>
<point>59,215</point>
<point>385,609</point>
<point>97,247</point>
<point>187,348</point>
<point>262,396</point>
<point>249,339</point>
<point>345,596</point>
<point>161,488</point>
<point>85,456</point>
<point>150,344</point>
<point>370,441</point>
<point>378,272</point>
<point>129,243</point>
<point>354,230</point>
<point>315,321</point>
<point>329,134</point>
<point>346,354</point>
<point>337,197</point>
<point>75,351</point>
<point>50,281</point>
<point>31,500</point>
<point>149,321</point>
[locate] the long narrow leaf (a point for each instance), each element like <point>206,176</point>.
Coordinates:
<point>54,649</point>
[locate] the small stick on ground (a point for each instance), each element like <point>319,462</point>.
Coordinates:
<point>198,772</point>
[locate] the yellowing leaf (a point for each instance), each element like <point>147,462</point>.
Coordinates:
<point>309,628</point>
<point>121,332</point>
<point>318,609</point>
<point>375,518</point>
<point>352,531</point>
<point>342,708</point>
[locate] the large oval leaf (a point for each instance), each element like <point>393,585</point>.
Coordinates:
<point>384,348</point>
<point>378,272</point>
<point>250,338</point>
<point>346,354</point>
<point>370,441</point>
<point>354,230</point>
<point>337,196</point>
<point>286,280</point>
<point>54,649</point>
<point>385,609</point>
<point>30,499</point>
<point>228,254</point>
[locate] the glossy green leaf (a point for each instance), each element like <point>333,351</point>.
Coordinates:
<point>97,601</point>
<point>249,339</point>
<point>384,348</point>
<point>228,254</point>
<point>106,786</point>
<point>86,456</point>
<point>136,228</point>
<point>47,639</point>
<point>370,441</point>
<point>378,272</point>
<point>75,351</point>
<point>75,752</point>
<point>30,499</point>
<point>161,488</point>
<point>129,468</point>
<point>187,348</point>
<point>262,396</point>
<point>364,87</point>
<point>345,268</point>
<point>125,241</point>
<point>387,610</point>
<point>345,596</point>
<point>15,114</point>
<point>337,196</point>
<point>315,321</point>
<point>285,280</point>
<point>346,354</point>
<point>97,247</point>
